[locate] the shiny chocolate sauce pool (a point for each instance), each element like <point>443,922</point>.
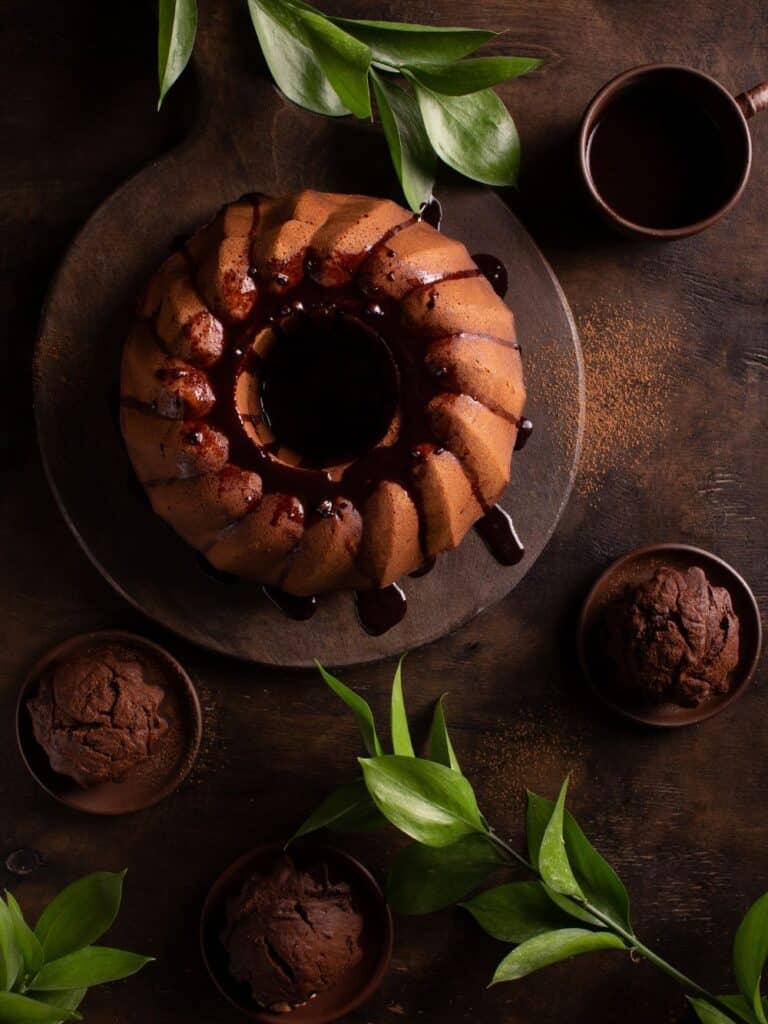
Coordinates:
<point>329,390</point>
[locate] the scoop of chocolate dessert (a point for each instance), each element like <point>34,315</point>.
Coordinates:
<point>292,933</point>
<point>675,637</point>
<point>97,717</point>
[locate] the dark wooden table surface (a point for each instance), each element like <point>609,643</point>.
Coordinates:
<point>676,335</point>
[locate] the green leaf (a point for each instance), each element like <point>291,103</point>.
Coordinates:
<point>80,914</point>
<point>412,155</point>
<point>554,865</point>
<point>538,814</point>
<point>10,954</point>
<point>474,134</point>
<point>344,59</point>
<point>440,746</point>
<point>359,708</point>
<point>516,912</point>
<point>26,940</point>
<point>366,817</point>
<point>600,884</point>
<point>401,735</point>
<point>347,809</point>
<point>550,948</point>
<point>473,75</point>
<point>399,43</point>
<point>423,879</point>
<point>17,1009</point>
<point>63,1000</point>
<point>290,58</point>
<point>750,952</point>
<point>429,802</point>
<point>709,1014</point>
<point>740,1006</point>
<point>94,965</point>
<point>177,27</point>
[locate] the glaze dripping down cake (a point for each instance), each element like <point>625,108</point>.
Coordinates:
<point>321,392</point>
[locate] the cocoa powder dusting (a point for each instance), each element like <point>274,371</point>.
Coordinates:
<point>533,750</point>
<point>627,357</point>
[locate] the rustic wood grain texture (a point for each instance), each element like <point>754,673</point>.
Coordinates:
<point>682,815</point>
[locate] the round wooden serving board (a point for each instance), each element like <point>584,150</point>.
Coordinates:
<point>254,140</point>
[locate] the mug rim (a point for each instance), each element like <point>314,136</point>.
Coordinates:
<point>587,125</point>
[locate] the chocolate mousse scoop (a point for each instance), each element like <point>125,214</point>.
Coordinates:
<point>674,637</point>
<point>292,933</point>
<point>96,716</point>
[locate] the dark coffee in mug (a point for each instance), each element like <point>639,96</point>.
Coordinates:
<point>665,150</point>
<point>658,157</point>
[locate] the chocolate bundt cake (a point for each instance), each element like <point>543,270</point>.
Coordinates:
<point>321,392</point>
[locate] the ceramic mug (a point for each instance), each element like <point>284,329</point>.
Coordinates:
<point>644,175</point>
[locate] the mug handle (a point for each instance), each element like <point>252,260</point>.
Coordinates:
<point>753,100</point>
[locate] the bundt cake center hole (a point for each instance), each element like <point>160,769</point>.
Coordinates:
<point>329,388</point>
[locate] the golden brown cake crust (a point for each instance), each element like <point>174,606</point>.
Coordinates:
<point>336,266</point>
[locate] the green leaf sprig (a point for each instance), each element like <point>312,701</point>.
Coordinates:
<point>46,971</point>
<point>433,103</point>
<point>176,31</point>
<point>572,903</point>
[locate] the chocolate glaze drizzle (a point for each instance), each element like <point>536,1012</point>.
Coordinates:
<point>432,213</point>
<point>496,527</point>
<point>524,431</point>
<point>327,315</point>
<point>498,531</point>
<point>342,316</point>
<point>379,610</point>
<point>299,608</point>
<point>493,269</point>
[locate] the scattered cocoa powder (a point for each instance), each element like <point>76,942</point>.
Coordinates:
<point>627,357</point>
<point>531,751</point>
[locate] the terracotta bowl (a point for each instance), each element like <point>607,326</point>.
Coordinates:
<point>355,987</point>
<point>165,770</point>
<point>636,567</point>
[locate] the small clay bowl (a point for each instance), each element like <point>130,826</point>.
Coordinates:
<point>634,568</point>
<point>167,767</point>
<point>360,982</point>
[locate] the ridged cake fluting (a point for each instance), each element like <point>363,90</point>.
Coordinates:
<point>320,263</point>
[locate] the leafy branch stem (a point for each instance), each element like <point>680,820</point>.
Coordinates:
<point>511,852</point>
<point>574,903</point>
<point>669,969</point>
<point>631,940</point>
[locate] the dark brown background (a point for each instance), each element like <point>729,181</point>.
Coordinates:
<point>682,815</point>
